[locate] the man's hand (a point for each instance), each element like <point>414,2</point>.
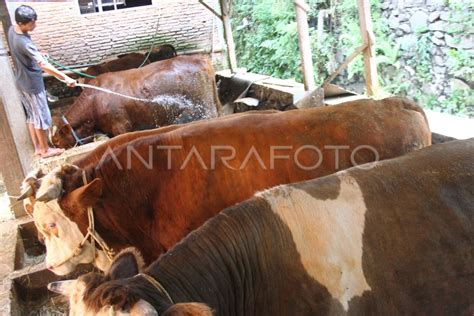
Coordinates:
<point>70,82</point>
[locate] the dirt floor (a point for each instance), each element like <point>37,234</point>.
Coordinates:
<point>23,275</point>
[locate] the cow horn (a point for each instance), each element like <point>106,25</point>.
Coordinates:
<point>50,193</point>
<point>26,193</point>
<point>55,129</point>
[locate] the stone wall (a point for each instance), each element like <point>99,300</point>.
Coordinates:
<point>422,40</point>
<point>415,20</point>
<point>410,19</point>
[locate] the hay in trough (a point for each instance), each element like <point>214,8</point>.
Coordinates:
<point>54,305</point>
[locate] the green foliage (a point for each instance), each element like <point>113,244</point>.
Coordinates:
<point>421,60</point>
<point>461,64</point>
<point>268,44</point>
<point>461,16</point>
<point>460,102</point>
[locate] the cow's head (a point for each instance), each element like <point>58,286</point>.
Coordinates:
<point>113,293</point>
<point>61,134</point>
<point>62,229</point>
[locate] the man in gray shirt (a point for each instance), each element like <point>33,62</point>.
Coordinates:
<point>29,64</point>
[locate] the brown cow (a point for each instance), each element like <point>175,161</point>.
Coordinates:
<point>152,191</point>
<point>162,52</point>
<point>130,61</point>
<point>123,62</point>
<point>180,90</point>
<point>395,239</point>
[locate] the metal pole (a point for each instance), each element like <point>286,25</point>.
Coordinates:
<point>304,44</point>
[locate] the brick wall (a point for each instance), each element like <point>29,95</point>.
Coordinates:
<point>74,39</point>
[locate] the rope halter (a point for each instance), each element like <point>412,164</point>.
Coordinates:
<point>156,284</point>
<point>92,234</point>
<point>73,132</point>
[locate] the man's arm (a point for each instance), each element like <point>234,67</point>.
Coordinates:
<point>50,69</point>
<point>47,67</point>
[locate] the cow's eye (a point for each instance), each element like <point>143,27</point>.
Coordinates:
<point>52,225</point>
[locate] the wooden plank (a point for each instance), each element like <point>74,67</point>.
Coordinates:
<point>366,31</point>
<point>10,165</point>
<point>210,9</point>
<point>228,35</point>
<point>344,64</point>
<point>16,150</point>
<point>301,9</point>
<point>5,17</point>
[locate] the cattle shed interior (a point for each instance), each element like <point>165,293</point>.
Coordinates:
<point>147,24</point>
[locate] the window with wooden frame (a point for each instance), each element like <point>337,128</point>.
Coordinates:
<point>95,6</point>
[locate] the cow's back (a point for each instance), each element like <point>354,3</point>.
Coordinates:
<point>191,76</point>
<point>124,62</point>
<point>183,83</point>
<point>270,149</point>
<point>394,239</point>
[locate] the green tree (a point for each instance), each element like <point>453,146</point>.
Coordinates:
<point>267,43</point>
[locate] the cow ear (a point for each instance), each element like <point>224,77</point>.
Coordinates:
<point>64,128</point>
<point>126,264</point>
<point>188,309</point>
<point>88,195</point>
<point>116,295</point>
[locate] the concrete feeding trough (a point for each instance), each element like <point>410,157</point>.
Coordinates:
<point>31,297</point>
<point>29,251</point>
<point>24,274</point>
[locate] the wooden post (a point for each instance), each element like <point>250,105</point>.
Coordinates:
<point>16,150</point>
<point>228,35</point>
<point>5,17</point>
<point>367,33</point>
<point>304,44</point>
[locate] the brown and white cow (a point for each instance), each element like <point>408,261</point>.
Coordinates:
<point>395,239</point>
<point>180,90</point>
<point>153,190</point>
